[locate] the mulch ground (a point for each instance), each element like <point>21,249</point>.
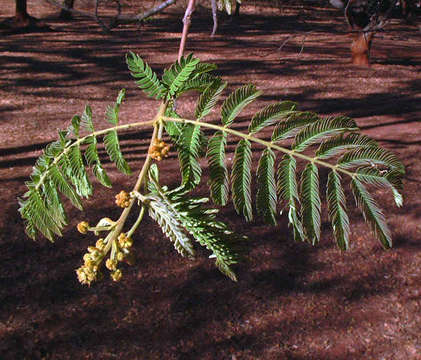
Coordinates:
<point>292,300</point>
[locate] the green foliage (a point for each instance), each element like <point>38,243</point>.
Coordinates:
<point>176,76</point>
<point>237,101</point>
<point>148,81</point>
<point>266,198</point>
<point>288,189</point>
<point>286,176</point>
<point>218,173</point>
<point>337,210</point>
<point>61,169</point>
<point>241,180</point>
<point>180,215</point>
<point>311,203</point>
<point>189,145</point>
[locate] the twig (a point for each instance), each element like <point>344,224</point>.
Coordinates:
<point>127,19</point>
<point>214,17</point>
<point>119,18</point>
<point>186,26</point>
<point>293,36</point>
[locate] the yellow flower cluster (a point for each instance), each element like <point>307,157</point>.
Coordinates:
<point>124,241</point>
<point>88,272</point>
<point>122,199</point>
<point>159,150</point>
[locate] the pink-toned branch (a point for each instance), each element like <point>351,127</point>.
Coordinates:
<point>186,26</point>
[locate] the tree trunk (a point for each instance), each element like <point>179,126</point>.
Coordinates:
<point>65,14</point>
<point>22,17</point>
<point>360,49</point>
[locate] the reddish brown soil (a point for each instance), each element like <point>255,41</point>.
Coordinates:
<point>292,301</point>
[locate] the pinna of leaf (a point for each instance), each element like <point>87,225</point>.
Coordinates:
<point>334,143</point>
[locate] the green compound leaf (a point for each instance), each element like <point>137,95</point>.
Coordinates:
<point>236,102</point>
<point>371,212</point>
<point>288,190</point>
<point>38,216</point>
<point>92,159</point>
<point>209,98</point>
<point>178,74</point>
<point>113,112</point>
<point>321,129</point>
<point>166,216</point>
<point>218,173</point>
<point>266,197</point>
<point>241,179</point>
<point>60,182</point>
<point>391,179</point>
<point>189,146</point>
<point>337,210</point>
<point>341,143</point>
<point>270,114</point>
<point>198,83</point>
<point>147,79</point>
<point>293,124</point>
<point>311,203</point>
<point>200,222</point>
<point>75,170</point>
<point>86,119</point>
<point>112,146</point>
<point>372,156</point>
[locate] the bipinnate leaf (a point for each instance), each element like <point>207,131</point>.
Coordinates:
<point>74,127</point>
<point>198,83</point>
<point>337,210</point>
<point>112,113</point>
<point>270,114</point>
<point>288,190</point>
<point>75,171</point>
<point>189,146</point>
<point>208,98</point>
<point>112,146</point>
<point>63,186</point>
<point>147,79</point>
<point>321,129</point>
<point>178,74</point>
<point>373,156</point>
<point>338,144</point>
<point>167,219</point>
<point>218,173</point>
<point>189,215</point>
<point>241,180</point>
<point>391,179</point>
<point>33,211</point>
<point>294,122</point>
<point>266,198</point>
<point>311,203</point>
<point>54,205</point>
<point>236,102</point>
<point>86,119</point>
<point>371,212</point>
<point>93,160</point>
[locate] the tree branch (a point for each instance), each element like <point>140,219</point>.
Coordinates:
<point>117,19</point>
<point>186,21</point>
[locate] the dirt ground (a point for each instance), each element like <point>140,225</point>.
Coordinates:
<point>292,301</point>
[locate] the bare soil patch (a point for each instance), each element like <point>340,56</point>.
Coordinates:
<point>292,301</point>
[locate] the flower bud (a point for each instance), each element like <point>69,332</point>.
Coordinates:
<point>82,227</point>
<point>100,244</point>
<point>117,275</point>
<point>111,264</point>
<point>120,256</point>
